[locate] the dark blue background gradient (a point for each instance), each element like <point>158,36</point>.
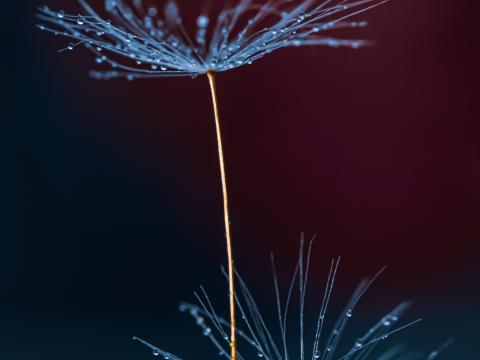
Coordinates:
<point>114,205</point>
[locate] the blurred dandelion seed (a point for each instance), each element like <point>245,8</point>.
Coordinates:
<point>258,336</point>
<point>138,42</point>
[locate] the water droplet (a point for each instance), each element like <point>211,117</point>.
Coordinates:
<point>148,22</point>
<point>163,68</point>
<point>260,354</point>
<point>386,322</point>
<point>358,344</point>
<point>317,355</point>
<point>301,17</point>
<point>207,331</point>
<point>355,45</point>
<point>349,313</point>
<point>202,21</point>
<point>152,11</point>
<point>329,349</point>
<point>61,14</point>
<point>81,20</point>
<point>155,352</point>
<point>71,46</point>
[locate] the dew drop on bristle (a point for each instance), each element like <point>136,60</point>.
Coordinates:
<point>70,46</point>
<point>202,21</point>
<point>155,352</point>
<point>349,313</point>
<point>152,11</point>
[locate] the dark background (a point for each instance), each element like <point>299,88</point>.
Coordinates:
<point>114,211</point>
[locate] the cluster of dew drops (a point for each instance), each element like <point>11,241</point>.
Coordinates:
<point>219,60</point>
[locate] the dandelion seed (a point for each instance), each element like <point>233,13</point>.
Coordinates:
<point>141,43</point>
<point>257,335</point>
<point>240,34</point>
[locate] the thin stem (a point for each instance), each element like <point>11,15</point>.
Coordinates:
<point>231,276</point>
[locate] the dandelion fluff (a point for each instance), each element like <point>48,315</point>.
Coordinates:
<point>258,339</point>
<point>137,41</point>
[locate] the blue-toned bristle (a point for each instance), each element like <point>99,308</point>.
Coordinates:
<point>150,42</point>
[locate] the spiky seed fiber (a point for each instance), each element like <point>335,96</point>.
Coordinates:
<point>138,41</point>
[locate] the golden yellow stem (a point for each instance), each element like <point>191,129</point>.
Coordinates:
<point>231,275</point>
